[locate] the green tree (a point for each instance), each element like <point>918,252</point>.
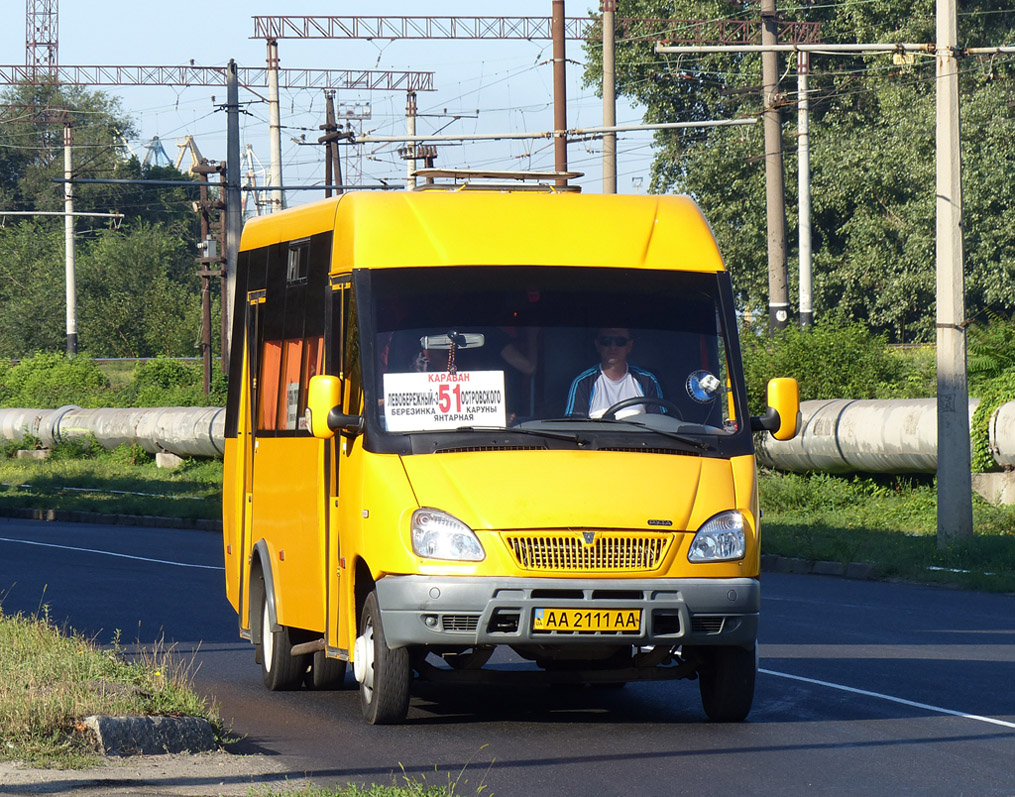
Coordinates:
<point>31,143</point>
<point>32,315</point>
<point>137,291</point>
<point>872,158</point>
<point>138,294</point>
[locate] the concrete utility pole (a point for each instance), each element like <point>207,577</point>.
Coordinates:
<point>775,190</point>
<point>332,163</point>
<point>804,187</point>
<point>70,287</point>
<point>274,128</point>
<point>208,257</point>
<point>954,483</point>
<point>234,211</point>
<point>559,94</point>
<point>410,119</point>
<point>609,97</point>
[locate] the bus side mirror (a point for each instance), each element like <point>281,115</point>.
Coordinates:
<point>324,413</point>
<point>783,416</point>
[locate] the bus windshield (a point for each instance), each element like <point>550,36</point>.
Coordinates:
<point>551,348</point>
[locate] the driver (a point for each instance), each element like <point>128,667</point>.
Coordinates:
<point>596,390</point>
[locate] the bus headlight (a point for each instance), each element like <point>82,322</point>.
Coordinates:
<point>438,535</point>
<point>720,539</point>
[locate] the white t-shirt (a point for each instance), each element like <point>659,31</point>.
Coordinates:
<point>606,392</point>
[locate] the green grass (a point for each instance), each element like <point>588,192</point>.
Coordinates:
<point>50,680</point>
<point>890,521</point>
<point>123,481</point>
<point>449,786</point>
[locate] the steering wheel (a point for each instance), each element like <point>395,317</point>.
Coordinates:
<point>611,412</point>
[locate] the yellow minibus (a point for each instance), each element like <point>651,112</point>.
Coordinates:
<point>492,436</point>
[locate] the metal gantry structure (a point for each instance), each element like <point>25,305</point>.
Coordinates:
<point>42,26</point>
<point>215,76</point>
<point>647,29</point>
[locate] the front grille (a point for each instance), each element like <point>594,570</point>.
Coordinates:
<point>608,552</point>
<point>707,624</point>
<point>459,622</point>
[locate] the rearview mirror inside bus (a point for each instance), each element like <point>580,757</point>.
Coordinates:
<point>462,340</point>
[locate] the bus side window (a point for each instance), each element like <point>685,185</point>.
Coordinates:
<point>271,363</point>
<point>351,368</point>
<point>292,331</point>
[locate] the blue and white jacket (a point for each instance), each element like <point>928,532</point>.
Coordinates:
<point>579,397</point>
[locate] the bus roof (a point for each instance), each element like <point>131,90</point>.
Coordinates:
<point>475,228</point>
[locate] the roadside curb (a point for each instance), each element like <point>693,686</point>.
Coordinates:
<point>74,516</point>
<point>150,735</point>
<point>861,571</point>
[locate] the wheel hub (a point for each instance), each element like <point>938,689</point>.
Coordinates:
<point>267,639</point>
<point>363,663</point>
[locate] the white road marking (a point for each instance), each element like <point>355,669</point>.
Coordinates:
<point>902,701</point>
<point>111,553</point>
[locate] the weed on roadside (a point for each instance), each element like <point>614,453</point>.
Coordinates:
<point>52,678</point>
<point>405,786</point>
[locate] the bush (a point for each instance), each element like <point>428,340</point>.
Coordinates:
<point>836,358</point>
<point>164,382</point>
<point>992,394</point>
<point>49,380</point>
<point>86,447</point>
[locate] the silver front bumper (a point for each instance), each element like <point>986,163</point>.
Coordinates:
<point>425,610</point>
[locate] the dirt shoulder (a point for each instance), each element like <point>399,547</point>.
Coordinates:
<point>197,775</point>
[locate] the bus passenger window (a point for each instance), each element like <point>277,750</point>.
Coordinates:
<point>289,406</point>
<point>271,360</point>
<point>313,364</point>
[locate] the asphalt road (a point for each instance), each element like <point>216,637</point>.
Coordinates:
<point>865,687</point>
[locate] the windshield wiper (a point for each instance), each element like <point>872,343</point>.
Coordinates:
<point>680,438</point>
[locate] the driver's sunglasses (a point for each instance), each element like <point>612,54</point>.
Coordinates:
<point>611,340</point>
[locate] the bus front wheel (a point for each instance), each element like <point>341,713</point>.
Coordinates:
<point>280,670</point>
<point>383,673</point>
<point>726,678</point>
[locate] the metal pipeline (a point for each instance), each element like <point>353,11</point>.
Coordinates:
<point>836,436</point>
<point>876,436</point>
<point>185,431</point>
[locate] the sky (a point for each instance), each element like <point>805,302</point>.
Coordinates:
<point>482,87</point>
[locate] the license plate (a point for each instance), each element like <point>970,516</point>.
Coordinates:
<point>587,620</point>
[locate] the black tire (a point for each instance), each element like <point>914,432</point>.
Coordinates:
<point>325,674</point>
<point>383,673</point>
<point>280,670</point>
<point>726,678</point>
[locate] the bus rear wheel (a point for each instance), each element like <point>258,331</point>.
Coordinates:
<point>280,670</point>
<point>325,674</point>
<point>726,678</point>
<point>383,673</point>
